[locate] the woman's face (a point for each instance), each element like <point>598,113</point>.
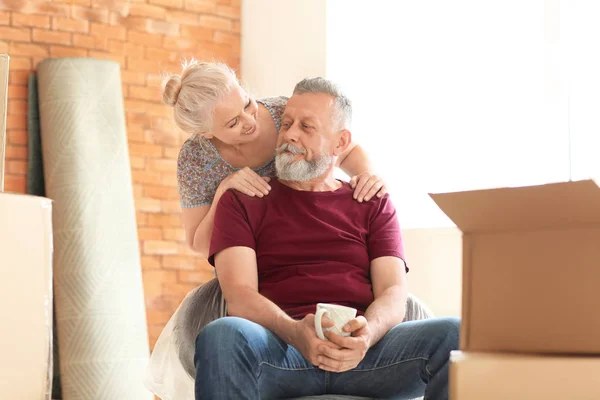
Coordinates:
<point>234,120</point>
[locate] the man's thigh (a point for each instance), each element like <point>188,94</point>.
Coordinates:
<point>245,351</point>
<point>396,367</point>
<point>285,373</point>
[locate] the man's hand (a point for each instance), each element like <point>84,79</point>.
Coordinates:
<point>349,351</point>
<point>306,341</point>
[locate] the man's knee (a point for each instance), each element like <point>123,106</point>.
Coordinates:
<point>439,332</point>
<point>447,329</point>
<point>221,333</point>
<point>447,324</point>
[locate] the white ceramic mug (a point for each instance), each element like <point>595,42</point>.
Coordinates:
<point>340,315</point>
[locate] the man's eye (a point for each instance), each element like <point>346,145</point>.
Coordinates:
<point>248,105</point>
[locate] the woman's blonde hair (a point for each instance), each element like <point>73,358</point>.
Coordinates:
<point>194,93</point>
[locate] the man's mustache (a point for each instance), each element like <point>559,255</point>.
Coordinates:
<point>291,148</point>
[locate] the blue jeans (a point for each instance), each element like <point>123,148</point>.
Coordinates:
<point>238,359</point>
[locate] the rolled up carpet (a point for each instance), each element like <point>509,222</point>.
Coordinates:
<point>100,313</point>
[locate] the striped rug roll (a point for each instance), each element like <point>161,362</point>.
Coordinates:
<point>100,312</point>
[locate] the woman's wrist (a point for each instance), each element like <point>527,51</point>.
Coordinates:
<point>221,189</point>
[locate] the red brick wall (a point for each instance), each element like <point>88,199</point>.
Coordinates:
<point>147,38</point>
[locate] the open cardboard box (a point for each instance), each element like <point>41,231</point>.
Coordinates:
<point>531,267</point>
<point>25,284</point>
<point>494,376</point>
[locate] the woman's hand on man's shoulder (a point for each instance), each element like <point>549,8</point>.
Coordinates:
<point>366,186</point>
<point>248,182</point>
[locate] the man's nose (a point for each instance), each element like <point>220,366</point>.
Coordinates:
<point>292,133</point>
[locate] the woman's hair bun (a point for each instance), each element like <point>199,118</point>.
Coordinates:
<point>172,89</point>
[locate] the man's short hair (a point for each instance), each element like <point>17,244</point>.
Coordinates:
<point>322,85</point>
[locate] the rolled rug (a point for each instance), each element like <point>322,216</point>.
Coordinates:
<point>100,312</point>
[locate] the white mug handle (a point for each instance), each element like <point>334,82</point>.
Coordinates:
<point>318,326</point>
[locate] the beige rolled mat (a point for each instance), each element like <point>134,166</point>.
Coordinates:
<point>100,313</point>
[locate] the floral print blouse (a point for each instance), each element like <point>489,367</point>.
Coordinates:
<point>200,168</point>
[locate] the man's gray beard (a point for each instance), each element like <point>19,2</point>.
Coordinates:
<point>301,170</point>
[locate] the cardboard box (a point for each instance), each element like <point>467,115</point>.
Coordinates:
<point>531,267</point>
<point>26,292</point>
<point>3,99</point>
<point>494,376</point>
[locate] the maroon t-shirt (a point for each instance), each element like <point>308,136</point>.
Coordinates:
<point>311,247</point>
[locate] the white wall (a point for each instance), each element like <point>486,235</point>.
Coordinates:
<point>283,41</point>
<point>447,97</point>
<point>434,256</point>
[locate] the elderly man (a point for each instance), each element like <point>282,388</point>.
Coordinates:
<point>309,242</point>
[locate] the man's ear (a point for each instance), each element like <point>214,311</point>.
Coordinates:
<point>343,141</point>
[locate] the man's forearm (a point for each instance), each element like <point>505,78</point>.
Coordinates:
<point>251,305</point>
<point>386,311</point>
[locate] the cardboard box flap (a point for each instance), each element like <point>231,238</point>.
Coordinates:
<point>554,205</point>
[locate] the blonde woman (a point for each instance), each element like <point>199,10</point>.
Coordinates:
<point>232,145</point>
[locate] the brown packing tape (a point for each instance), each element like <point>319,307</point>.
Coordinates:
<point>4,64</point>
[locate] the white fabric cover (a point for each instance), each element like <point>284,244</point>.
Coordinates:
<point>171,371</point>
